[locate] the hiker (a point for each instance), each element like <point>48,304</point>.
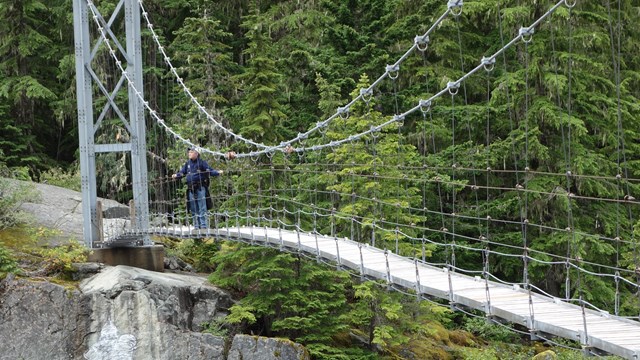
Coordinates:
<point>197,172</point>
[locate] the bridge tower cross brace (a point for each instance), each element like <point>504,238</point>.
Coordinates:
<point>88,124</point>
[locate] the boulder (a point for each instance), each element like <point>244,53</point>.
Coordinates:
<point>60,209</point>
<point>248,347</point>
<point>124,313</point>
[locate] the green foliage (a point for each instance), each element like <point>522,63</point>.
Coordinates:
<point>59,260</point>
<point>7,263</point>
<point>393,321</point>
<point>568,101</point>
<point>490,331</point>
<point>260,112</point>
<point>206,65</point>
<point>26,85</point>
<point>240,314</point>
<point>359,166</point>
<point>198,252</point>
<point>215,328</point>
<point>283,295</point>
<point>12,195</point>
<point>68,179</point>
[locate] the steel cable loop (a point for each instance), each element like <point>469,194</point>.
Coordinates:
<point>455,6</point>
<point>271,149</point>
<point>266,148</point>
<point>421,43</point>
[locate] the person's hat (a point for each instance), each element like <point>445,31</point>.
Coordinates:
<point>192,148</point>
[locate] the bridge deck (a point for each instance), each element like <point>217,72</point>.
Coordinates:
<point>540,314</point>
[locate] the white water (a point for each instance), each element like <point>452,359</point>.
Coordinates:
<point>110,346</point>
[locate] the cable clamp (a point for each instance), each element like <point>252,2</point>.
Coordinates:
<point>399,119</point>
<point>421,42</point>
<point>488,63</point>
<point>343,111</point>
<point>455,6</point>
<point>393,71</point>
<point>453,87</point>
<point>322,127</point>
<point>425,106</point>
<point>526,34</point>
<point>373,131</point>
<point>366,94</point>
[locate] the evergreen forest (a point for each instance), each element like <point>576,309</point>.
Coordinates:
<point>558,116</point>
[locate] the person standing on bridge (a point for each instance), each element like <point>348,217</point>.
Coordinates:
<point>197,172</point>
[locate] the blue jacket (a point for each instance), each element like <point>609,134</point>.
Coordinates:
<point>195,171</point>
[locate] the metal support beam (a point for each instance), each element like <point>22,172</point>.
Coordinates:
<point>85,121</point>
<point>88,126</point>
<point>136,116</point>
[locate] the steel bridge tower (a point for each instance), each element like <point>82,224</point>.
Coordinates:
<point>84,12</point>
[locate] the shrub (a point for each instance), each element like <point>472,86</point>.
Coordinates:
<point>198,253</point>
<point>60,259</point>
<point>12,196</point>
<point>69,179</point>
<point>7,263</point>
<point>490,331</point>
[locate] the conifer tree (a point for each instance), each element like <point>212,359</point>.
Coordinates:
<point>25,48</point>
<point>206,66</point>
<point>284,295</point>
<point>351,181</point>
<point>260,113</point>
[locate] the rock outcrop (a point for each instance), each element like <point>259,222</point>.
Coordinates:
<point>124,313</point>
<point>60,209</point>
<point>261,348</point>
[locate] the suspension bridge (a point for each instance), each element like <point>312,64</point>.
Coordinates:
<point>360,189</point>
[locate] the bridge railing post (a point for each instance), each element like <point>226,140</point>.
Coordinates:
<point>338,253</point>
<point>132,214</point>
<point>99,221</point>
<point>361,262</point>
<point>386,260</point>
<point>418,288</point>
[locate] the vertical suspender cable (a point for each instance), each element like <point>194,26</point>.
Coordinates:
<point>474,186</point>
<point>622,174</point>
<point>525,210</point>
<point>453,176</point>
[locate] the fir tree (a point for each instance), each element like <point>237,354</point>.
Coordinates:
<point>283,295</point>
<point>24,68</point>
<point>260,111</point>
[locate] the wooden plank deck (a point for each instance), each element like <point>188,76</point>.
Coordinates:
<point>540,314</point>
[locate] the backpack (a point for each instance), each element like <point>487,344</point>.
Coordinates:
<point>205,180</point>
<point>207,197</point>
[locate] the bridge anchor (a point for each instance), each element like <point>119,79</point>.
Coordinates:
<point>144,257</point>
